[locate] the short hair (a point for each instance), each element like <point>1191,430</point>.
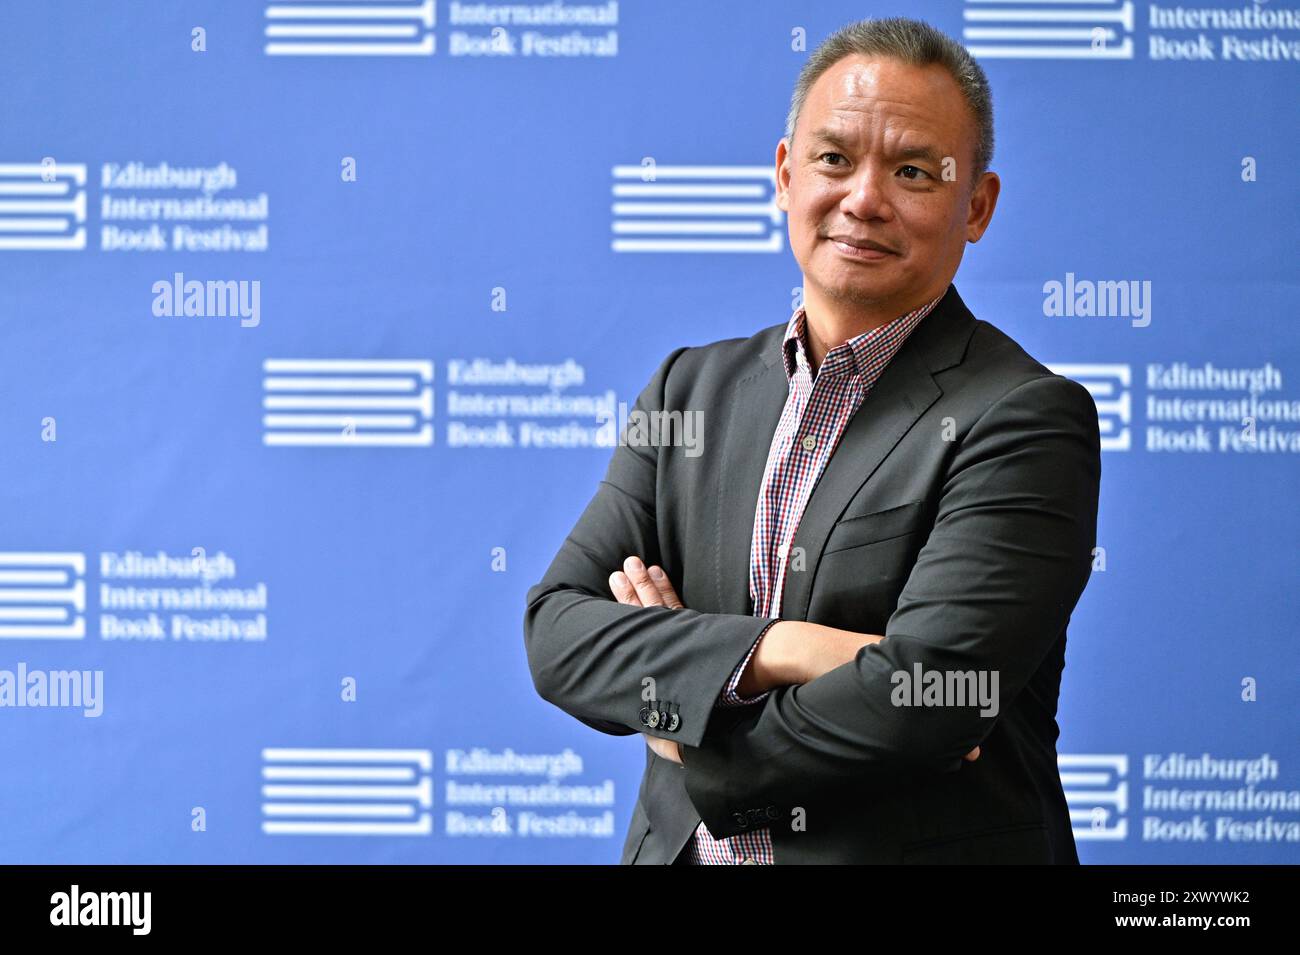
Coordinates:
<point>913,42</point>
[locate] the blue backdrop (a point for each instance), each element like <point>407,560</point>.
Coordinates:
<point>314,318</point>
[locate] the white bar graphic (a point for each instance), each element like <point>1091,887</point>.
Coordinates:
<point>693,208</point>
<point>338,384</point>
<point>351,366</point>
<point>1037,33</point>
<point>75,171</point>
<point>33,225</point>
<point>772,243</point>
<point>347,792</point>
<point>421,757</point>
<point>42,596</point>
<point>327,439</point>
<point>341,773</point>
<point>1123,16</point>
<point>317,30</point>
<point>338,422</point>
<point>695,172</point>
<point>1049,41</point>
<point>663,189</point>
<point>421,791</point>
<point>397,810</point>
<point>423,48</point>
<point>300,37</point>
<point>45,215</point>
<point>422,403</point>
<point>76,595</point>
<point>70,243</point>
<point>649,226</point>
<point>424,12</point>
<point>57,188</point>
<point>349,402</point>
<point>47,577</point>
<point>33,613</point>
<point>76,206</point>
<point>422,828</point>
<point>672,213</point>
<point>1097,793</point>
<point>1122,52</point>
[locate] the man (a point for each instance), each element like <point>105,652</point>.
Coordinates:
<point>841,629</point>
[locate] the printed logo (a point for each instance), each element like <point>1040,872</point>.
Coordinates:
<point>1049,29</point>
<point>42,596</point>
<point>348,402</point>
<point>42,206</point>
<point>1096,790</point>
<point>347,792</point>
<point>306,28</point>
<point>696,209</point>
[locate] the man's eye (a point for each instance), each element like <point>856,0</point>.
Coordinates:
<point>915,170</point>
<point>824,155</point>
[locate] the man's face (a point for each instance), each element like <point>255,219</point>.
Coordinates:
<point>877,184</point>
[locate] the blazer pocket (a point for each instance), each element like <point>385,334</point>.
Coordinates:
<point>875,527</point>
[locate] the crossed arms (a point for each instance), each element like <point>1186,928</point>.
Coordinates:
<point>991,590</point>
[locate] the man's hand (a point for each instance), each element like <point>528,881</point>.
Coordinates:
<point>639,586</point>
<point>791,652</point>
<point>664,748</point>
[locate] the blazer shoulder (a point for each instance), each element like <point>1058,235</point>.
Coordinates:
<point>998,360</point>
<point>726,360</point>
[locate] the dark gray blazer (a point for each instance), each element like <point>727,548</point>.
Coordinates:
<point>957,517</point>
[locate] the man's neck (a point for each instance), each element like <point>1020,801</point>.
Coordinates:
<point>827,325</point>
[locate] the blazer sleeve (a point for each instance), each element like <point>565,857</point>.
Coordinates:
<point>991,590</point>
<point>623,669</point>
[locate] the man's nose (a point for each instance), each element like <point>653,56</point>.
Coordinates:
<point>867,196</point>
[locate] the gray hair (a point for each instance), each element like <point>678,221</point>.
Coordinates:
<point>913,42</point>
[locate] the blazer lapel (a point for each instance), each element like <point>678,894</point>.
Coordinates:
<point>899,397</point>
<point>756,404</point>
<point>902,393</point>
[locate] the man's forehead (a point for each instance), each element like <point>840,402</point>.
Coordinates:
<point>854,77</point>
<point>926,96</point>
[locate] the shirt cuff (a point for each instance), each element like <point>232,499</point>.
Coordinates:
<point>729,696</point>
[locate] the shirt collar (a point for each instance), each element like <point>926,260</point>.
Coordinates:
<point>864,354</point>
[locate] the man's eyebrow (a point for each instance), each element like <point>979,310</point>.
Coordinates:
<point>826,135</point>
<point>918,152</point>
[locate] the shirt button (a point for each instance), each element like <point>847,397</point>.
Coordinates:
<point>809,442</point>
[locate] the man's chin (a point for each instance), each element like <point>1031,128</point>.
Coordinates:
<point>859,292</point>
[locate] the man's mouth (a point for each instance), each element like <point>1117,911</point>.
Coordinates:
<point>865,249</point>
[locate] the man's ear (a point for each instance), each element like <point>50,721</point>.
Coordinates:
<point>783,174</point>
<point>983,200</point>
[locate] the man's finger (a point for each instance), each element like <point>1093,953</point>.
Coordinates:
<point>665,587</point>
<point>973,754</point>
<point>664,748</point>
<point>622,589</point>
<point>645,587</point>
